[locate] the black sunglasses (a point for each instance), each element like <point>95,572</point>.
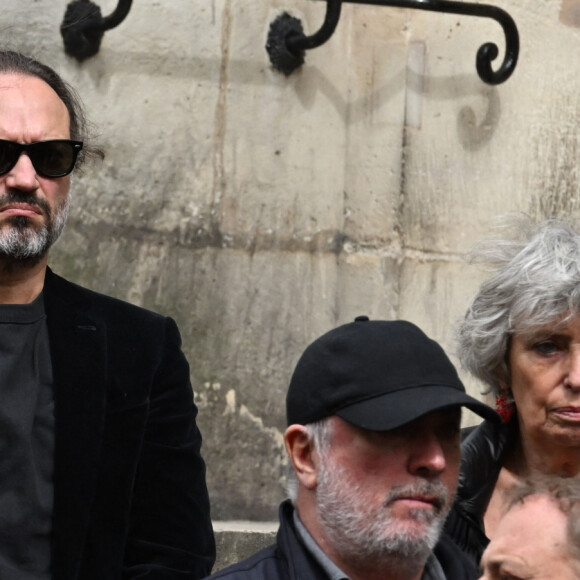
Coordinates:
<point>54,158</point>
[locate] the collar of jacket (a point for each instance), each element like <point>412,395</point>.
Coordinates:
<point>78,346</point>
<point>482,451</point>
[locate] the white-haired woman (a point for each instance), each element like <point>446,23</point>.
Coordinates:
<point>521,336</point>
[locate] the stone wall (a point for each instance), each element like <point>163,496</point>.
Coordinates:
<point>261,210</point>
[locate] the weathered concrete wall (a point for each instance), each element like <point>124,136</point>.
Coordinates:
<point>261,211</point>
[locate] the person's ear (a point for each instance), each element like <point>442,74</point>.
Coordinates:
<point>503,371</point>
<point>503,379</point>
<point>504,376</point>
<point>300,451</point>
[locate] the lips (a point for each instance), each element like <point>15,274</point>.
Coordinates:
<point>570,413</point>
<point>21,209</point>
<point>418,501</point>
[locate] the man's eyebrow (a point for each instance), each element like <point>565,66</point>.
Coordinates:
<point>505,563</point>
<point>491,563</point>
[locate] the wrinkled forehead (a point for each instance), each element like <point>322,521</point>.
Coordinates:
<point>550,310</point>
<point>530,541</point>
<point>30,110</point>
<point>565,322</point>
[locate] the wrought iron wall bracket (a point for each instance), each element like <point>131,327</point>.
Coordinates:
<point>287,42</point>
<point>83,26</point>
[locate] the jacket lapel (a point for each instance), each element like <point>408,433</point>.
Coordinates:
<point>78,353</point>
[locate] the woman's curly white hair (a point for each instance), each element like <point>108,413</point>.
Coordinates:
<point>536,281</point>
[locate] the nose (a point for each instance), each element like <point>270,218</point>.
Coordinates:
<point>23,175</point>
<point>427,458</point>
<point>573,372</point>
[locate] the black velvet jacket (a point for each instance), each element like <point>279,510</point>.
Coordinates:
<point>482,451</point>
<point>130,498</point>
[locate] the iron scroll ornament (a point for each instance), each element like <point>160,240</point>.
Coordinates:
<point>83,26</point>
<point>287,42</point>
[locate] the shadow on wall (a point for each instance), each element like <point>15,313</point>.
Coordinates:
<point>310,83</point>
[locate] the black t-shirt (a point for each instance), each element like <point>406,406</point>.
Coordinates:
<point>26,442</point>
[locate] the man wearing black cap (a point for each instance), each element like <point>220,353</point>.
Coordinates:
<point>374,410</point>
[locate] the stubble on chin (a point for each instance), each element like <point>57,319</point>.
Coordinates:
<point>363,531</point>
<point>23,243</point>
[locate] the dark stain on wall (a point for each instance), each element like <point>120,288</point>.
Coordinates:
<point>570,13</point>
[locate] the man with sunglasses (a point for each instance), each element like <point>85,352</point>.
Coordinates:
<point>102,476</point>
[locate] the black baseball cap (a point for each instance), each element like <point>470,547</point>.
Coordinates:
<point>378,375</point>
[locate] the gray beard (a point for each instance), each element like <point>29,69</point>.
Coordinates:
<point>362,533</point>
<point>22,241</point>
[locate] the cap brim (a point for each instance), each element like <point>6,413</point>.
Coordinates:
<point>398,408</point>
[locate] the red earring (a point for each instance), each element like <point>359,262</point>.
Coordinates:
<point>504,407</point>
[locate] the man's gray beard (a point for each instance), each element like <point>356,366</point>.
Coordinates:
<point>361,532</point>
<point>21,240</point>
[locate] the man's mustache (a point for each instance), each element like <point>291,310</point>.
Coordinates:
<point>30,199</point>
<point>433,492</point>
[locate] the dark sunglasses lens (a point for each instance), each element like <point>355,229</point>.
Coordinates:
<point>53,159</point>
<point>9,153</point>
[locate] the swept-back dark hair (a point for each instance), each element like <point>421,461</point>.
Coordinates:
<point>12,62</point>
